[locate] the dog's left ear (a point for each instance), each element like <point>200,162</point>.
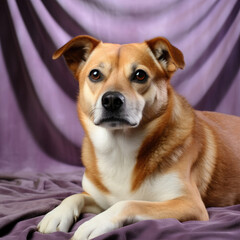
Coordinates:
<point>170,57</point>
<point>77,51</point>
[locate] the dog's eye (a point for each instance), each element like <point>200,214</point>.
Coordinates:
<point>95,75</point>
<point>140,76</point>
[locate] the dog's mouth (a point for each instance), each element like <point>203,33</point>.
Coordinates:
<point>115,122</point>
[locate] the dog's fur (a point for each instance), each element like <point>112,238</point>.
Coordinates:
<point>154,157</point>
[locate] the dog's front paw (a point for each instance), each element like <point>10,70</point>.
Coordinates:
<point>95,227</point>
<point>59,219</point>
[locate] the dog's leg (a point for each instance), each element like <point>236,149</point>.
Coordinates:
<point>126,212</point>
<point>62,217</point>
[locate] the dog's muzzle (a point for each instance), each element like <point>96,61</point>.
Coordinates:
<point>114,112</point>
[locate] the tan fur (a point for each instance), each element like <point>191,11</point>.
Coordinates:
<point>89,159</point>
<point>198,149</point>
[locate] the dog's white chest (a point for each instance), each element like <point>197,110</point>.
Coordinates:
<point>116,155</point>
<point>116,159</point>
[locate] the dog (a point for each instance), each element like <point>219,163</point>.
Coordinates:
<point>148,154</point>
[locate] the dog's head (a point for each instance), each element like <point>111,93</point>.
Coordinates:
<point>121,86</point>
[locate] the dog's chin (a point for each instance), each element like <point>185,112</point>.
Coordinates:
<point>115,123</point>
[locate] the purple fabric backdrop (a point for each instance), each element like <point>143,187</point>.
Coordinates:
<point>40,136</point>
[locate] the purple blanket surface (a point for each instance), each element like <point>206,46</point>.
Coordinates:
<point>26,197</point>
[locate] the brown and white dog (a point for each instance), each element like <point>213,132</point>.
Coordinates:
<point>147,153</point>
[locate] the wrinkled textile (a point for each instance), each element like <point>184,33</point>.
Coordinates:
<point>25,198</point>
<point>40,135</point>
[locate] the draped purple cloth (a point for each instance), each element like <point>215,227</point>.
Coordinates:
<point>40,135</point>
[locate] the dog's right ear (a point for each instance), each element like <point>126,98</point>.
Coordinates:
<point>76,52</point>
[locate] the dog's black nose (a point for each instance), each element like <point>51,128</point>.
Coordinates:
<point>112,101</point>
